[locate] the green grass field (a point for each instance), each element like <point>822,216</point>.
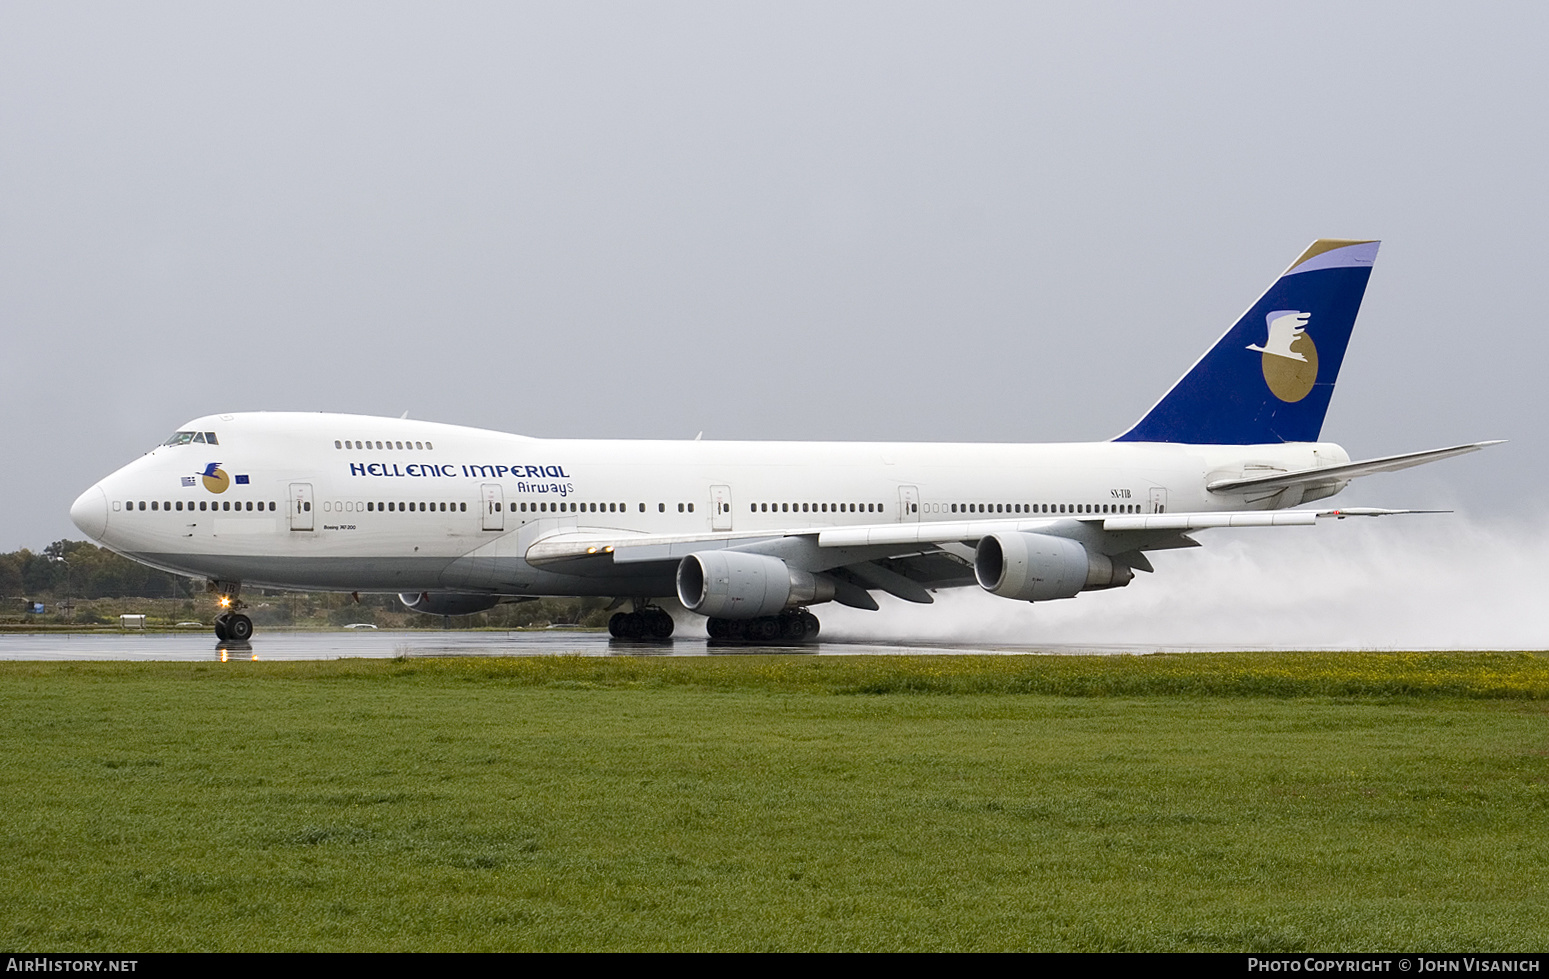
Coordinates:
<point>1201,802</point>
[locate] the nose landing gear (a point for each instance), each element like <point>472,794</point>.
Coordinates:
<point>233,627</point>
<point>230,625</point>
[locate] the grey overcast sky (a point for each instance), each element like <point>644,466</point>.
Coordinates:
<point>954,221</point>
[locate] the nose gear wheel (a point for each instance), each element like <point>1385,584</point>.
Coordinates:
<point>233,627</point>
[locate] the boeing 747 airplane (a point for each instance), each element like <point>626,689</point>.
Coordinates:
<point>752,535</point>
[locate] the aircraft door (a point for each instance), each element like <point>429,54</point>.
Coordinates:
<point>720,508</point>
<point>908,504</point>
<point>300,506</point>
<point>1158,499</point>
<point>493,498</point>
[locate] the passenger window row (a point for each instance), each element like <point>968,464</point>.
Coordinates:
<point>245,506</point>
<point>1045,508</point>
<point>379,444</point>
<point>250,506</point>
<point>352,506</point>
<point>546,507</point>
<point>816,508</point>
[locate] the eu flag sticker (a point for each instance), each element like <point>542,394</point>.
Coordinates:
<point>241,480</point>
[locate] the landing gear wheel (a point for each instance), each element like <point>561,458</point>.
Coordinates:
<point>626,625</point>
<point>649,622</point>
<point>220,628</point>
<point>239,628</point>
<point>658,624</point>
<point>789,628</point>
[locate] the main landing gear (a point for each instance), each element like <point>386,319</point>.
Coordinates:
<point>649,622</point>
<point>794,625</point>
<point>230,625</point>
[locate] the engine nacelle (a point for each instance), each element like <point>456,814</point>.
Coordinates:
<point>1038,567</point>
<point>739,585</point>
<point>448,602</point>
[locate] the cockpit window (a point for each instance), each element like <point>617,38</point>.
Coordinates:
<point>184,438</point>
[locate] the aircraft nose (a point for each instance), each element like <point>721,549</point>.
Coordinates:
<point>90,512</point>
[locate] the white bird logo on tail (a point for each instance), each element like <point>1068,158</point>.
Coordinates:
<point>1284,329</point>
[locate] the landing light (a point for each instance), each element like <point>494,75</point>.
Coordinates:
<point>225,601</point>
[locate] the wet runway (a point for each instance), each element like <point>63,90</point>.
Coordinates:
<point>373,644</point>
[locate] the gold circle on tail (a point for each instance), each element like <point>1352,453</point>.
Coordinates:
<point>218,482</point>
<point>1292,380</point>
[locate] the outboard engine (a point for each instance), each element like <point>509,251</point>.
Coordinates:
<point>1038,567</point>
<point>448,602</point>
<point>739,585</point>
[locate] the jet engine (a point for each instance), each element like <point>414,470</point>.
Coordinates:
<point>739,585</point>
<point>1038,567</point>
<point>448,602</point>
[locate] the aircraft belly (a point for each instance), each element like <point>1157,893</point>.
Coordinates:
<point>512,575</point>
<point>331,573</point>
<point>652,585</point>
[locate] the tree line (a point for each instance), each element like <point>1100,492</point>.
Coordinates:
<point>84,571</point>
<point>78,569</point>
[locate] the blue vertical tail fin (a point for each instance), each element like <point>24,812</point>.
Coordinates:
<point>1270,378</point>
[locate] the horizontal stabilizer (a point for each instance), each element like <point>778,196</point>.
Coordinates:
<point>1339,474</point>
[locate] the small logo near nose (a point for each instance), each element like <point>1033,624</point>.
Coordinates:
<point>214,478</point>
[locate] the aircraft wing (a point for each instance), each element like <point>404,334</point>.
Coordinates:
<point>905,559</point>
<point>637,548</point>
<point>973,530</point>
<point>1348,471</point>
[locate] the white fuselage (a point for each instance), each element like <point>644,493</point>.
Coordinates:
<point>361,503</point>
